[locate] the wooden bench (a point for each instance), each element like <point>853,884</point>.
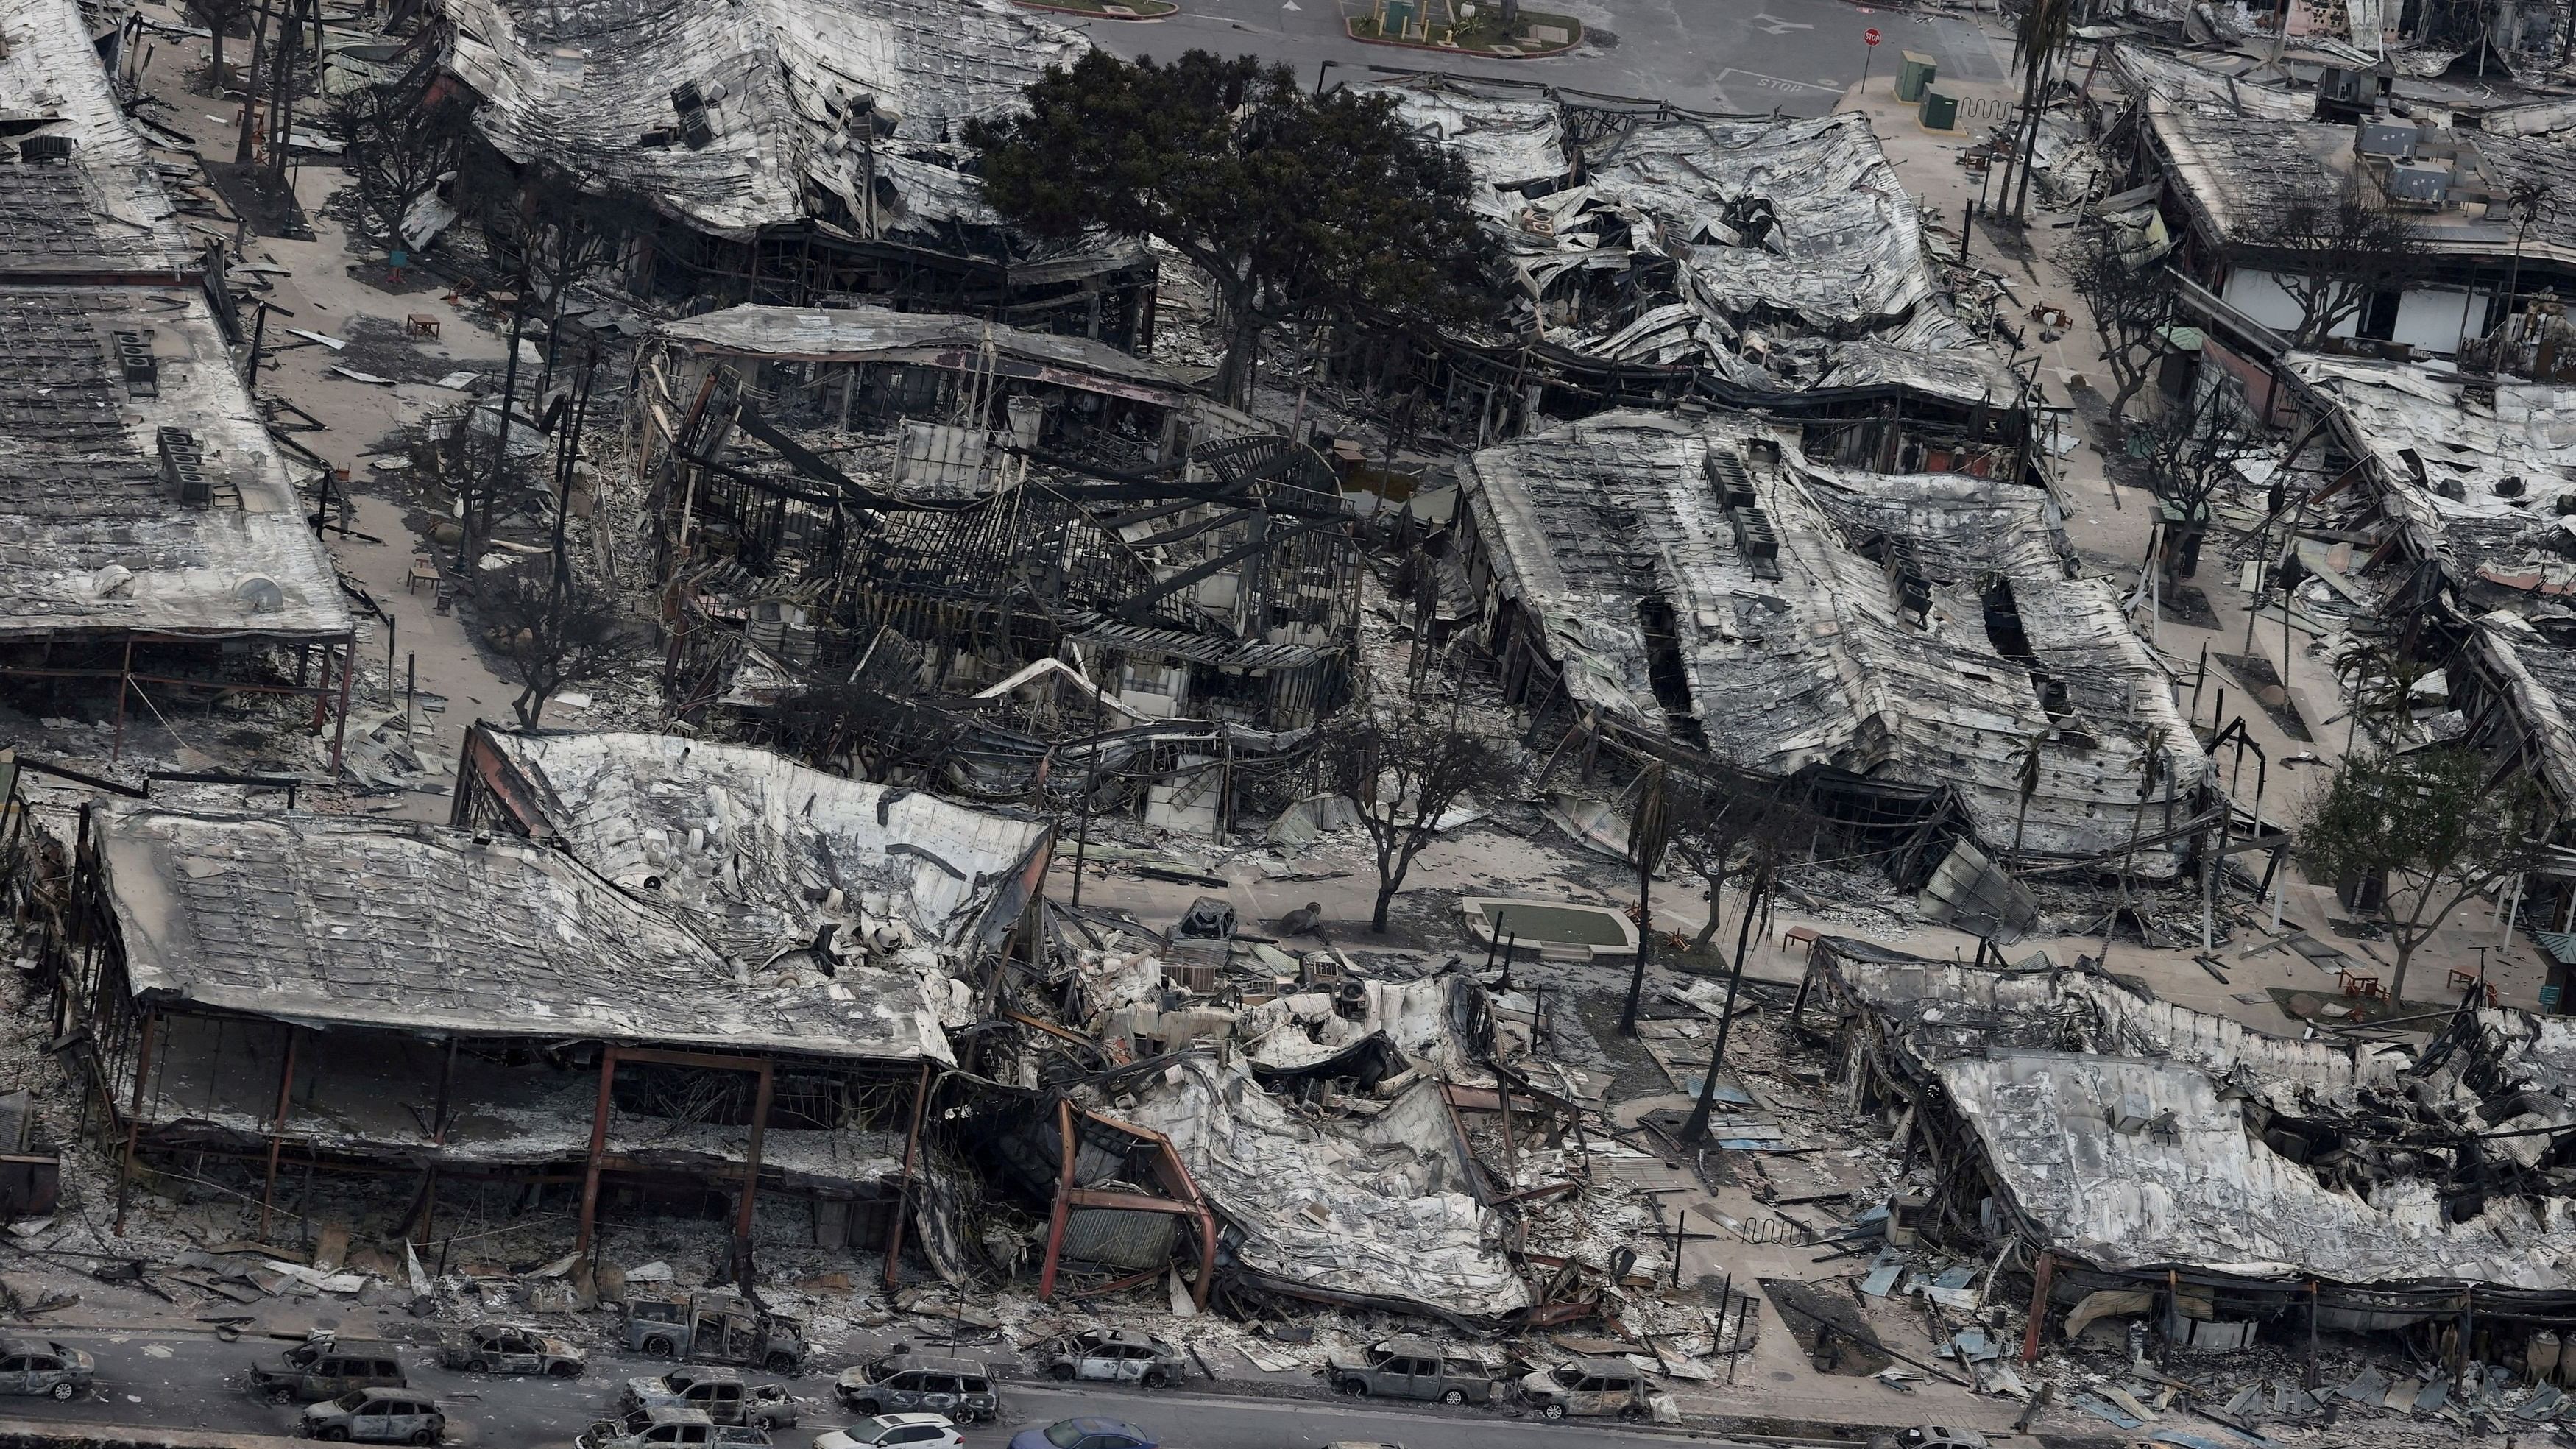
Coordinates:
<point>424,570</point>
<point>1797,936</point>
<point>421,324</point>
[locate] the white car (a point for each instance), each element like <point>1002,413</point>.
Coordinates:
<point>895,1431</point>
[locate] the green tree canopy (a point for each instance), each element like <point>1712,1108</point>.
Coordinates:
<point>1297,206</point>
<point>2432,825</point>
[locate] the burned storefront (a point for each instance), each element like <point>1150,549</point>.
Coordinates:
<point>719,986</point>
<point>1652,255</point>
<point>1918,649</point>
<point>948,553</point>
<point>2132,1159</point>
<point>153,543</point>
<point>794,153</point>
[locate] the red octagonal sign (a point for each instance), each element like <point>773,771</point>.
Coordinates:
<point>1870,36</point>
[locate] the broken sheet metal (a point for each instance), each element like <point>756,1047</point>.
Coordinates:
<point>1380,1209</point>
<point>724,113</point>
<point>1781,255</point>
<point>2471,477</point>
<point>760,853</point>
<point>2179,1179</point>
<point>326,921</point>
<point>1851,630</point>
<point>1936,1011</point>
<point>1511,138</point>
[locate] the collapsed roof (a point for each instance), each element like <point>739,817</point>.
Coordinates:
<point>874,334</point>
<point>2140,1135</point>
<point>729,116</point>
<point>1779,255</point>
<point>1377,1210</point>
<point>332,922</point>
<point>1928,628</point>
<point>759,853</point>
<point>100,211</point>
<point>2470,475</point>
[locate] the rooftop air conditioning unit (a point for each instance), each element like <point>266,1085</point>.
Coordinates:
<point>2386,138</point>
<point>2418,183</point>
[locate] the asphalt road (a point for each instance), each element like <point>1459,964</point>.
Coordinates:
<point>1743,56</point>
<point>194,1381</point>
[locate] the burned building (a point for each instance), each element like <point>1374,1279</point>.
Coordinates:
<point>796,151</point>
<point>639,974</point>
<point>1025,547</point>
<point>1695,587</point>
<point>2138,1159</point>
<point>1652,254</point>
<point>153,543</point>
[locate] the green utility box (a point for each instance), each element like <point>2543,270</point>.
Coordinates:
<point>1939,112</point>
<point>1396,20</point>
<point>1914,75</point>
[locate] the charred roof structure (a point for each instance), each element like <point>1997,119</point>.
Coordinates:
<point>637,964</point>
<point>1658,254</point>
<point>1002,546</point>
<point>797,149</point>
<point>149,526</point>
<point>2254,1187</point>
<point>766,857</point>
<point>1695,587</point>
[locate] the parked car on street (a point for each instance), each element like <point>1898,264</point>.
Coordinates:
<point>1930,1436</point>
<point>1085,1433</point>
<point>665,1425</point>
<point>715,1325</point>
<point>895,1431</point>
<point>326,1368</point>
<point>901,1382</point>
<point>1586,1386</point>
<point>42,1366</point>
<point>1410,1368</point>
<point>720,1392</point>
<point>1117,1355</point>
<point>375,1416</point>
<point>507,1348</point>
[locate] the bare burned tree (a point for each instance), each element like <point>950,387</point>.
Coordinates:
<point>554,634</point>
<point>2130,296</point>
<point>1776,828</point>
<point>398,150</point>
<point>2191,451</point>
<point>1404,764</point>
<point>220,17</point>
<point>2332,252</point>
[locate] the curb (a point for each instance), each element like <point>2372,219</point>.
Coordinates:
<point>1095,14</point>
<point>1724,1428</point>
<point>1459,50</point>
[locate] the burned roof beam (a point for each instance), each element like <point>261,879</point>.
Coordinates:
<point>1140,607</point>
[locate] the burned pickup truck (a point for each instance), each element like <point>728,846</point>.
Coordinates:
<point>1411,1368</point>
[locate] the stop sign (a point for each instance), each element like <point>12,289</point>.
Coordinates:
<point>1869,36</point>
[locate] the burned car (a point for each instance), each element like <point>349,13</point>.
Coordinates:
<point>326,1368</point>
<point>959,1388</point>
<point>375,1416</point>
<point>720,1393</point>
<point>1410,1368</point>
<point>1591,1385</point>
<point>664,1425</point>
<point>1115,1355</point>
<point>507,1348</point>
<point>715,1325</point>
<point>42,1366</point>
